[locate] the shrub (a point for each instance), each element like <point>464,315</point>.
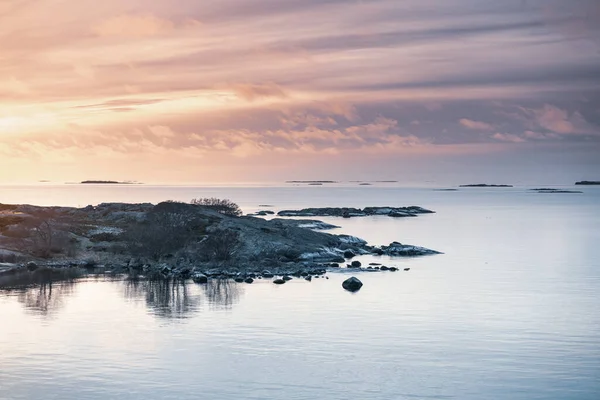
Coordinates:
<point>221,245</point>
<point>169,227</point>
<point>223,206</point>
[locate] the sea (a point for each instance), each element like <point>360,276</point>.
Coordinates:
<point>510,310</point>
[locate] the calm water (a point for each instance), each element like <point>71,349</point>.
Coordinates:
<point>510,311</point>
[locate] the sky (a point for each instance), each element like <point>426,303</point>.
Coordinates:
<point>176,91</point>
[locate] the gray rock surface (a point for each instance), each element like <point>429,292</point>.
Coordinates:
<point>352,284</point>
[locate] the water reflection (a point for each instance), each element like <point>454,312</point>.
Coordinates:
<point>181,299</point>
<point>47,298</point>
<point>222,294</point>
<point>43,291</point>
<point>165,298</point>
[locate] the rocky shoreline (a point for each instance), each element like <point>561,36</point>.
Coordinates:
<point>349,212</point>
<point>173,240</point>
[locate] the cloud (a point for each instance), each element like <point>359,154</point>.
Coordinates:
<point>133,25</point>
<point>559,121</point>
<point>251,92</point>
<point>476,125</point>
<point>508,137</point>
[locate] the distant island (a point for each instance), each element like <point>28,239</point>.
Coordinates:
<point>109,183</point>
<point>311,182</point>
<point>485,185</point>
<point>588,183</point>
<point>552,190</point>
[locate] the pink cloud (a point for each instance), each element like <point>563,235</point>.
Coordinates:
<point>253,92</point>
<point>133,25</point>
<point>508,137</point>
<point>476,125</point>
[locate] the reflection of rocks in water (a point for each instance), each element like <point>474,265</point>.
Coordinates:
<point>165,298</point>
<point>177,299</point>
<point>42,291</point>
<point>46,298</point>
<point>222,293</point>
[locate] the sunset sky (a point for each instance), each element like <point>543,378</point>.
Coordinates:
<point>269,90</point>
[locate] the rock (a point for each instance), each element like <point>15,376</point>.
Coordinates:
<point>349,254</point>
<point>352,284</point>
<point>200,278</point>
<point>287,278</point>
<point>393,269</point>
<point>238,279</point>
<point>308,278</point>
<point>374,264</point>
<point>279,281</point>
<point>407,269</point>
<point>406,250</point>
<point>267,274</point>
<point>356,264</point>
<point>31,266</point>
<point>377,251</point>
<point>334,265</point>
<point>383,268</point>
<point>248,280</point>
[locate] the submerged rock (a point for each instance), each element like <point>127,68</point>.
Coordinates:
<point>352,284</point>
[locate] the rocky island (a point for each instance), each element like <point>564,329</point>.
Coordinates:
<point>485,185</point>
<point>551,190</point>
<point>92,182</point>
<point>349,212</point>
<point>588,183</point>
<point>206,239</point>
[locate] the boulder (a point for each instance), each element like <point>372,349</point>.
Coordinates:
<point>279,281</point>
<point>287,278</point>
<point>352,284</point>
<point>407,269</point>
<point>31,266</point>
<point>334,265</point>
<point>200,278</point>
<point>238,279</point>
<point>393,269</point>
<point>308,278</point>
<point>248,280</point>
<point>384,268</point>
<point>349,254</point>
<point>356,264</point>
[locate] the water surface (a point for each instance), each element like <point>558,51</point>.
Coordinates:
<point>509,311</point>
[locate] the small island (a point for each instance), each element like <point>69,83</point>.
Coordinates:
<point>551,190</point>
<point>311,182</point>
<point>485,185</point>
<point>94,182</point>
<point>588,183</point>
